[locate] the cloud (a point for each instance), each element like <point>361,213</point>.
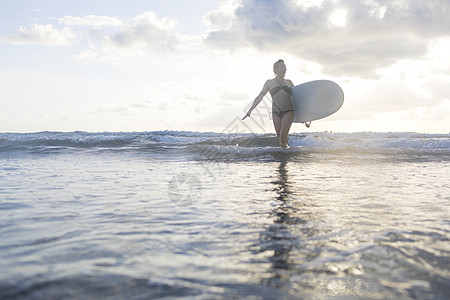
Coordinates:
<point>110,38</point>
<point>233,96</point>
<point>366,98</point>
<point>91,21</point>
<point>223,17</point>
<point>347,37</point>
<point>122,109</point>
<point>141,105</point>
<point>438,112</point>
<point>42,35</point>
<point>146,33</point>
<point>440,90</point>
<point>193,98</point>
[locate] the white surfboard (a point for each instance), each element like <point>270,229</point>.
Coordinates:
<point>316,100</point>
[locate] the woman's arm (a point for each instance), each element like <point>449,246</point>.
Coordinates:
<point>258,99</point>
<point>307,124</point>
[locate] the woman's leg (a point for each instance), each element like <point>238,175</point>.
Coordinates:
<point>286,123</point>
<point>277,124</point>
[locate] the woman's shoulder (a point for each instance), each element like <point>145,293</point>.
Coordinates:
<point>272,82</point>
<point>291,84</point>
<point>269,83</point>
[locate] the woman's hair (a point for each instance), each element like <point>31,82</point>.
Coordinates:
<point>278,62</point>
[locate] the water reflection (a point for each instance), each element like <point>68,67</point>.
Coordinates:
<point>279,237</point>
<point>291,236</point>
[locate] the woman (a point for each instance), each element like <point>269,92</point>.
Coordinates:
<point>282,109</point>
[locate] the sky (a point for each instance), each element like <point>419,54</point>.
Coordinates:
<point>197,65</point>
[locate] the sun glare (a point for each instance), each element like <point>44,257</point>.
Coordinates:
<point>339,18</point>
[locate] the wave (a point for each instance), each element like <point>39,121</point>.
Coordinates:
<point>210,143</point>
<point>376,141</point>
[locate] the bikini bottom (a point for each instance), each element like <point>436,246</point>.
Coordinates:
<point>281,113</point>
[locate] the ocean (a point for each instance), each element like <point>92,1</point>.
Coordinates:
<point>198,215</point>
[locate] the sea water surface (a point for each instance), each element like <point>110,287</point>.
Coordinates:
<point>148,215</point>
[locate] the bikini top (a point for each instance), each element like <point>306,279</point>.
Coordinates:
<point>276,89</point>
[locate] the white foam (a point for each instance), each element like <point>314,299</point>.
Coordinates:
<point>371,141</point>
